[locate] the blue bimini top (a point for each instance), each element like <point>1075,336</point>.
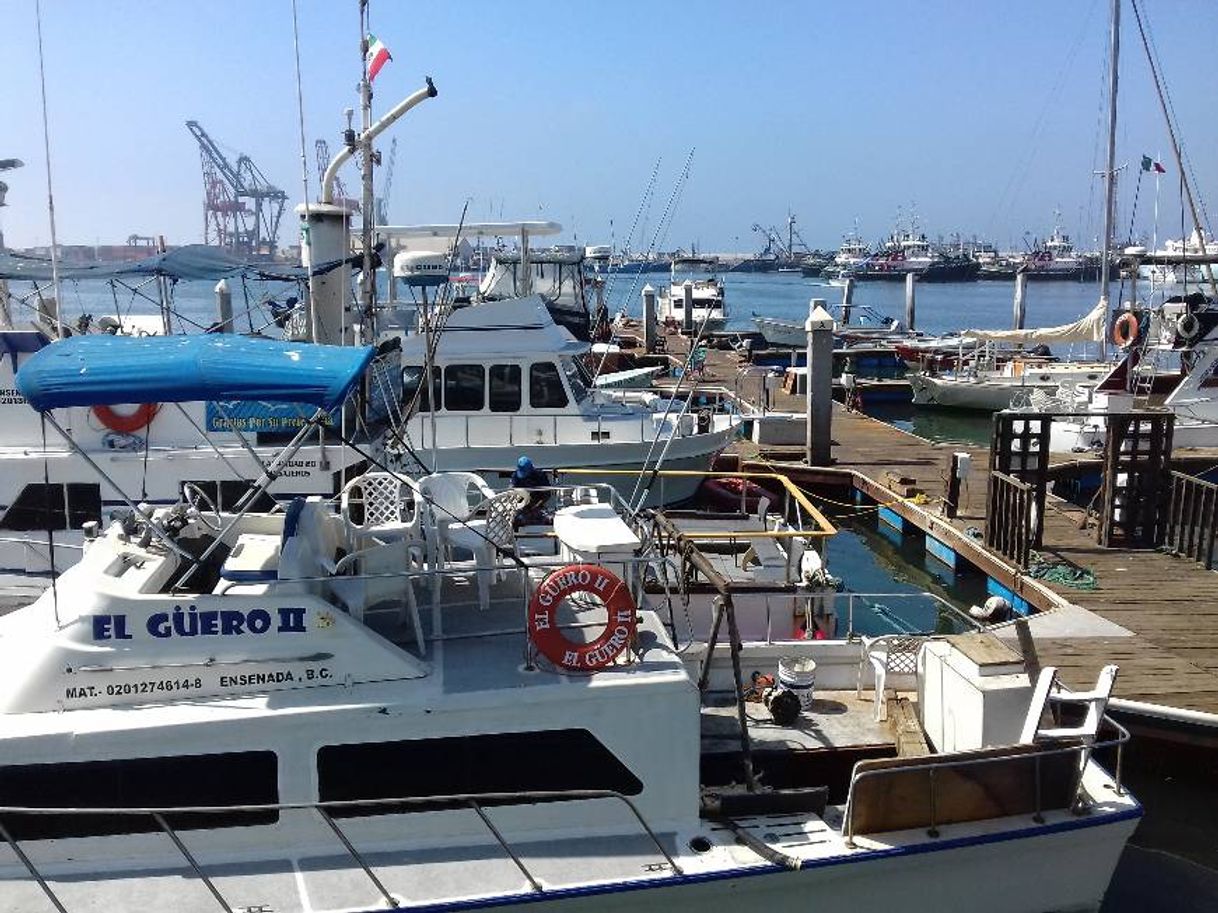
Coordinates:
<point>103,370</point>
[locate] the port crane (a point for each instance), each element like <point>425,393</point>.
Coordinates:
<point>382,200</point>
<point>321,150</point>
<point>241,208</point>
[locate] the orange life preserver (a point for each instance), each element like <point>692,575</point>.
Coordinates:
<point>1125,330</point>
<point>134,421</point>
<point>543,617</point>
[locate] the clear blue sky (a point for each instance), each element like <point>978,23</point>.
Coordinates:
<point>987,116</point>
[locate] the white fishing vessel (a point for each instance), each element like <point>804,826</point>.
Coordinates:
<point>1182,261</point>
<point>508,381</point>
<point>709,308</point>
<point>336,709</point>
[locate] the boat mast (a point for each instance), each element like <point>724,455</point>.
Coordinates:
<point>1110,169</point>
<point>367,275</point>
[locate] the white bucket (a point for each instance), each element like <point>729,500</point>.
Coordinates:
<point>798,674</point>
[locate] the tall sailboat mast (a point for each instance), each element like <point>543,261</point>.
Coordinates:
<point>367,273</point>
<point>1110,169</point>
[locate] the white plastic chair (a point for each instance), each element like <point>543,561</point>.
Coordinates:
<point>1096,701</point>
<point>448,509</point>
<point>384,521</point>
<point>487,537</point>
<point>889,655</point>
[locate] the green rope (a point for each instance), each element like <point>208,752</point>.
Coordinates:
<point>1061,572</point>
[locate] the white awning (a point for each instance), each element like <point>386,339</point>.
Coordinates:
<point>1090,328</point>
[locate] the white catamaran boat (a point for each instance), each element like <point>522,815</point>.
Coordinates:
<point>329,709</point>
<point>709,307</point>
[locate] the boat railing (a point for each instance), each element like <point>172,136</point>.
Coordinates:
<point>477,802</point>
<point>826,604</point>
<point>937,809</point>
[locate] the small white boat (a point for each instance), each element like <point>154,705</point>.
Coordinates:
<point>709,308</point>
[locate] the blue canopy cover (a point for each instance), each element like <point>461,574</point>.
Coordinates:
<point>104,370</point>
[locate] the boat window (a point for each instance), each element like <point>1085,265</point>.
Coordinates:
<point>505,388</point>
<point>227,494</point>
<point>509,762</point>
<point>578,378</point>
<point>412,377</point>
<point>464,388</point>
<point>236,778</point>
<point>55,506</point>
<point>545,386</point>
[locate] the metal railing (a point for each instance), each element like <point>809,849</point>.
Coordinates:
<point>473,801</point>
<point>1084,751</point>
<point>1192,519</point>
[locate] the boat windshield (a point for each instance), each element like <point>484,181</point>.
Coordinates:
<point>578,378</point>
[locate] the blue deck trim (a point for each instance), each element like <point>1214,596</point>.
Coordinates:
<point>936,846</point>
<point>892,518</point>
<point>941,551</point>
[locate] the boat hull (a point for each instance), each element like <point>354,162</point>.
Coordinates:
<point>1064,871</point>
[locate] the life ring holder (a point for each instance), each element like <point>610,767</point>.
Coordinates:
<point>1125,330</point>
<point>549,639</point>
<point>127,423</point>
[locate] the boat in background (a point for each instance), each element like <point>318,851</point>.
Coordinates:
<point>709,306</point>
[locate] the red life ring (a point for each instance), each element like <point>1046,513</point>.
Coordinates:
<point>125,424</point>
<point>1125,331</point>
<point>543,617</point>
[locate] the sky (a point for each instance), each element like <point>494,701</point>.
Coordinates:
<point>982,118</point>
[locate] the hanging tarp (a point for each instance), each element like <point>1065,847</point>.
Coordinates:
<point>194,261</point>
<point>105,370</point>
<point>1090,328</point>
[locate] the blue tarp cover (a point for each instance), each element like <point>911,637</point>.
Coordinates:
<point>104,370</point>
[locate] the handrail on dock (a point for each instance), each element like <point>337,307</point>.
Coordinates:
<point>474,801</point>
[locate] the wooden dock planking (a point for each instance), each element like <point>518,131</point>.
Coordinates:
<point>1170,604</point>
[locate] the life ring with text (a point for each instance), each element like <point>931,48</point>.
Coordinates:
<point>543,617</point>
<point>129,422</point>
<point>1125,330</point>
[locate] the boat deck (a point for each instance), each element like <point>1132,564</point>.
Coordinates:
<point>1154,614</point>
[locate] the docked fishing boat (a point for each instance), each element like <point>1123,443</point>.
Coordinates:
<point>709,307</point>
<point>507,380</point>
<point>1180,262</point>
<point>857,323</point>
<point>336,708</point>
<point>852,253</point>
<point>1056,258</point>
<point>993,378</point>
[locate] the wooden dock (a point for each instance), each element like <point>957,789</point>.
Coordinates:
<point>1154,614</point>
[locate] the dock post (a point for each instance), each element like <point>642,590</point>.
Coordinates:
<point>847,300</point>
<point>1021,295</point>
<point>224,306</point>
<point>649,319</point>
<point>687,315</point>
<point>911,280</point>
<point>951,504</point>
<point>819,328</point>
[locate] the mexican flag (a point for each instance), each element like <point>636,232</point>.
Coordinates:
<point>378,56</point>
<point>1149,164</point>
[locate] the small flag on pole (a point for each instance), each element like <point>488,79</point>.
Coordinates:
<point>1148,164</point>
<point>378,56</point>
